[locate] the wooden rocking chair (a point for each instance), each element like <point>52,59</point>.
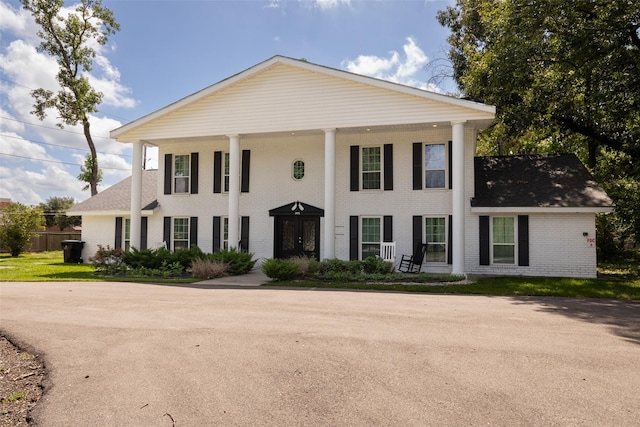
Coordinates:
<point>413,263</point>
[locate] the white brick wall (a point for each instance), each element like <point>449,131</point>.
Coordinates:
<point>557,247</point>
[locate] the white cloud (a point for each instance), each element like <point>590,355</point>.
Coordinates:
<point>330,4</point>
<point>395,68</point>
<point>50,181</point>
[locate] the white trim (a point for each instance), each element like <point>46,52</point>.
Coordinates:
<point>550,210</point>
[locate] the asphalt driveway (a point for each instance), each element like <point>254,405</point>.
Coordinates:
<point>124,354</point>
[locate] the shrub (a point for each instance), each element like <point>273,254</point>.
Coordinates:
<point>108,260</point>
<point>376,265</point>
<point>281,269</point>
<point>208,269</point>
<point>239,262</point>
<point>340,266</point>
<point>17,222</point>
<point>306,266</point>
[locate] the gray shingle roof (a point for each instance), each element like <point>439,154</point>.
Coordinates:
<point>118,196</point>
<point>558,180</point>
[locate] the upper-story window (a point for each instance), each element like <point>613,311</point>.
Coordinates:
<point>371,168</point>
<point>298,170</point>
<point>181,173</point>
<point>435,165</point>
<point>226,172</point>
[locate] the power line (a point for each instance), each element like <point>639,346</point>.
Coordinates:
<point>56,161</point>
<point>61,146</point>
<point>49,127</point>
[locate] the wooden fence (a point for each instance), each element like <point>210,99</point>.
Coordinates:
<point>52,241</point>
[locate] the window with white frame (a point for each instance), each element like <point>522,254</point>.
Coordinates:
<point>181,173</point>
<point>371,231</point>
<point>226,172</point>
<point>503,235</point>
<point>225,233</point>
<point>435,166</point>
<point>298,170</point>
<point>127,234</point>
<point>436,239</point>
<point>180,233</point>
<point>371,168</point>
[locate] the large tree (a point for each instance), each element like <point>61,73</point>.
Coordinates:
<point>559,71</point>
<point>69,38</point>
<point>55,212</point>
<point>564,76</point>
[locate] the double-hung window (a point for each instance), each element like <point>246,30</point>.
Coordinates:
<point>225,233</point>
<point>503,240</point>
<point>226,173</point>
<point>435,166</point>
<point>127,234</point>
<point>180,233</point>
<point>371,168</point>
<point>371,232</point>
<point>436,239</point>
<point>181,174</point>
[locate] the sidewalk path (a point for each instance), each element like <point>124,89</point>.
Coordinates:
<point>126,354</point>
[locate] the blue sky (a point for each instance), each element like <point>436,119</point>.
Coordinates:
<point>166,50</point>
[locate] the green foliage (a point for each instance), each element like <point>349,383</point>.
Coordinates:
<point>239,262</point>
<point>108,260</point>
<point>281,269</point>
<point>339,266</point>
<point>376,265</point>
<point>157,258</point>
<point>54,212</point>
<point>17,223</point>
<point>86,171</point>
<point>70,39</point>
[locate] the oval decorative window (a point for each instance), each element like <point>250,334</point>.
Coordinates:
<point>298,169</point>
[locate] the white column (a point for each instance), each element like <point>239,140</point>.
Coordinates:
<point>136,195</point>
<point>234,190</point>
<point>458,198</point>
<point>329,251</point>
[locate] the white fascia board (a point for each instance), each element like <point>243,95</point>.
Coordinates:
<point>111,213</point>
<point>539,210</point>
<point>371,81</point>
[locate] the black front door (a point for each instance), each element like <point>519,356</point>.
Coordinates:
<point>297,236</point>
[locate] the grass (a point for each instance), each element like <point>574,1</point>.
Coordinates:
<point>15,396</point>
<point>50,267</point>
<point>618,281</point>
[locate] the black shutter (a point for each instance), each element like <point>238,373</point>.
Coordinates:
<point>354,172</point>
<point>217,233</point>
<point>450,165</point>
<point>118,237</point>
<point>244,233</point>
<point>417,232</point>
<point>388,167</point>
<point>523,240</point>
<point>417,166</point>
<point>246,160</point>
<point>166,231</point>
<point>217,171</point>
<point>194,173</point>
<point>450,241</point>
<point>387,228</point>
<point>484,240</point>
<point>353,238</point>
<point>193,231</point>
<point>144,224</point>
<point>168,169</point>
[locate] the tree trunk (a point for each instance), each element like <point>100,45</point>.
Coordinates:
<point>93,183</point>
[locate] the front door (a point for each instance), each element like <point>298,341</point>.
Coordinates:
<point>297,236</point>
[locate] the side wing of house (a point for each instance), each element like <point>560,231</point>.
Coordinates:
<point>534,216</point>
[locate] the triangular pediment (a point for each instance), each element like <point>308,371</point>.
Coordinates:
<point>283,94</point>
<point>296,208</point>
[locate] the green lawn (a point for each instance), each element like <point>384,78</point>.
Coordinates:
<point>50,267</point>
<point>620,281</point>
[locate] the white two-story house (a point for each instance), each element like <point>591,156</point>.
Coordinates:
<point>289,157</point>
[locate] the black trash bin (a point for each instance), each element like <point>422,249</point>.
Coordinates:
<point>72,251</point>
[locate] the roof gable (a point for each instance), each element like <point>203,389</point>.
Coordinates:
<point>536,181</point>
<point>283,94</point>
